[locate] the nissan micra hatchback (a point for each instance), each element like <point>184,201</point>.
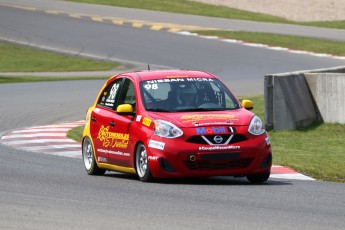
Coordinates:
<point>170,124</point>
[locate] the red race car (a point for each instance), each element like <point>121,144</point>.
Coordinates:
<point>174,123</point>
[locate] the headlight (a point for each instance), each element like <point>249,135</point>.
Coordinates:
<point>255,126</point>
<point>166,129</point>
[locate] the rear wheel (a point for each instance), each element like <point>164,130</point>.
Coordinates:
<point>141,164</point>
<point>89,158</point>
<point>258,178</point>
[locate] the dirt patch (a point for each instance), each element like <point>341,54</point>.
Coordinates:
<point>296,10</point>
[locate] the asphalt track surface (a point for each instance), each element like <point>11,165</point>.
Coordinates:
<point>50,192</point>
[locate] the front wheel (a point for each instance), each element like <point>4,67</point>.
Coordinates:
<point>258,178</point>
<point>141,164</point>
<point>89,158</point>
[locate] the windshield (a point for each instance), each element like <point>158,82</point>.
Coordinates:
<point>196,94</point>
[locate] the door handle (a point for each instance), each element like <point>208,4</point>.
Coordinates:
<point>93,119</point>
<point>112,123</point>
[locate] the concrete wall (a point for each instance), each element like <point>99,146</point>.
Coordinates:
<point>294,100</point>
<point>328,91</point>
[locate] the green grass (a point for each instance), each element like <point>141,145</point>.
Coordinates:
<point>316,151</point>
<point>197,8</point>
<point>292,42</point>
<point>18,79</point>
<point>326,24</point>
<point>15,58</point>
<point>76,133</point>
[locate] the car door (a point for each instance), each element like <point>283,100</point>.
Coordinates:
<point>103,120</point>
<point>120,151</point>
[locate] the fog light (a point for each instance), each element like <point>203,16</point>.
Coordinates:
<point>192,157</point>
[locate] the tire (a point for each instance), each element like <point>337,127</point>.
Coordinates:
<point>258,178</point>
<point>141,164</point>
<point>89,158</point>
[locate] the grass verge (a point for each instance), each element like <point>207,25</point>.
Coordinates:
<point>76,133</point>
<point>287,41</point>
<point>22,79</point>
<point>15,58</point>
<point>197,8</point>
<point>316,151</point>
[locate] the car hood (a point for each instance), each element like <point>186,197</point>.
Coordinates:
<point>192,119</point>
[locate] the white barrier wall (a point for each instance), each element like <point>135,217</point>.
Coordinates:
<point>328,91</point>
<point>294,100</point>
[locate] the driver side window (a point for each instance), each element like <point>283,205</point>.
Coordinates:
<point>128,94</point>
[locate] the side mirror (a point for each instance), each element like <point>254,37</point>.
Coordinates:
<point>247,104</point>
<point>124,109</point>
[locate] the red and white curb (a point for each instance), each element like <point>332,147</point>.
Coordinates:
<point>281,172</point>
<point>234,41</point>
<point>52,139</point>
<point>49,139</point>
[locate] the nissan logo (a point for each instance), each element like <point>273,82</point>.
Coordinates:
<point>218,139</point>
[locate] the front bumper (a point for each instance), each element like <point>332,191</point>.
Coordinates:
<point>181,159</point>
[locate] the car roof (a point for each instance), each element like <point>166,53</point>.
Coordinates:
<point>161,74</point>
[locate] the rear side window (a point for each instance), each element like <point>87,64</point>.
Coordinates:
<point>110,94</point>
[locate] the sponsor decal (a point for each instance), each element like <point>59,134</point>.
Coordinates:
<point>268,141</point>
<point>156,144</point>
<point>112,139</point>
<point>109,100</point>
<point>199,79</point>
<point>231,129</point>
<point>212,123</point>
<point>102,159</point>
<point>210,130</point>
<point>138,119</point>
<point>206,117</point>
<point>151,86</point>
<point>112,94</point>
<point>147,121</point>
<point>165,80</point>
<point>103,97</point>
<point>113,152</point>
<point>153,158</point>
<point>217,147</point>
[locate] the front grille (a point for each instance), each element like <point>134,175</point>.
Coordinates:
<point>200,140</point>
<point>214,165</point>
